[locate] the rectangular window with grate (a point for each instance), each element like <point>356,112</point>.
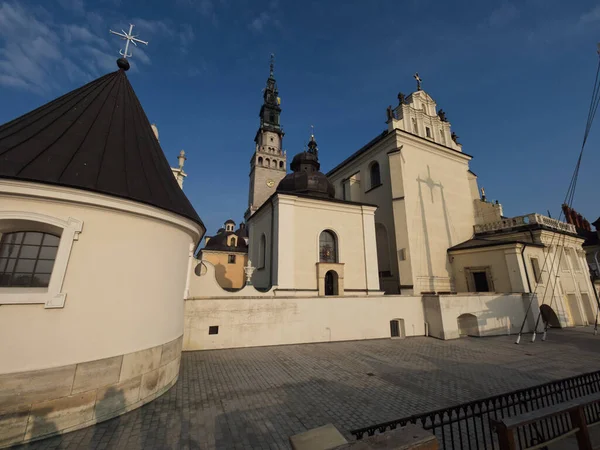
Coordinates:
<point>213,329</point>
<point>231,259</point>
<point>27,258</point>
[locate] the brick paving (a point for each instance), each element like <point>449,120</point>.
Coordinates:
<point>256,398</point>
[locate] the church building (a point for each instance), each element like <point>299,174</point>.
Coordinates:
<point>227,251</point>
<point>306,242</point>
<point>96,245</point>
<point>268,163</point>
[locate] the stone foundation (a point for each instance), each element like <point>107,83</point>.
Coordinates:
<point>42,403</point>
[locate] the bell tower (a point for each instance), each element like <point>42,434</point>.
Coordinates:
<point>268,163</point>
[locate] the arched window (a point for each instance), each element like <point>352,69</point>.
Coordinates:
<point>375,175</point>
<point>260,161</point>
<point>274,163</point>
<point>27,258</point>
<point>328,247</point>
<point>267,162</point>
<point>281,164</point>
<point>262,250</point>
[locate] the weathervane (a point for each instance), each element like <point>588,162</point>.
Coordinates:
<point>419,80</point>
<point>129,37</point>
<point>312,131</point>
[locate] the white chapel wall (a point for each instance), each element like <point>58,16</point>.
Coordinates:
<point>251,322</point>
<point>124,290</point>
<point>496,314</point>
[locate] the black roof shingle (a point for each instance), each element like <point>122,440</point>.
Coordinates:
<point>96,138</point>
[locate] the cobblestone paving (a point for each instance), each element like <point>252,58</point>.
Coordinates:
<point>256,398</point>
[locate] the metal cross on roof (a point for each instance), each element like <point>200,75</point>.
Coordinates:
<point>129,37</point>
<point>419,80</point>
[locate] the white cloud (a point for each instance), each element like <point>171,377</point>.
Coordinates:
<point>503,15</point>
<point>46,53</point>
<point>591,16</point>
<point>258,24</point>
<point>78,33</point>
<point>75,6</point>
<point>140,55</point>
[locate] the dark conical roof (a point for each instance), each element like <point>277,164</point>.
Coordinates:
<point>95,138</point>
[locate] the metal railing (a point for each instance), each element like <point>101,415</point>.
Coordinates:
<point>467,426</point>
<point>525,220</point>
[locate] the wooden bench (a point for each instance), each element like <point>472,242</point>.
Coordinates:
<point>505,427</point>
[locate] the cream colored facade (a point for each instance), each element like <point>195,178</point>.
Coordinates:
<point>115,297</point>
<point>229,275</point>
<point>249,317</point>
<point>425,199</point>
<point>284,244</point>
<point>534,253</point>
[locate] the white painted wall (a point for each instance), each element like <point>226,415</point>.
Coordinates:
<point>496,314</point>
<point>250,322</point>
<point>294,242</point>
<point>124,283</point>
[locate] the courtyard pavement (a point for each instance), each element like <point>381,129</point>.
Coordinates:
<point>255,398</point>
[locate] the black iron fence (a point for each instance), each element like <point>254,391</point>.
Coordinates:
<point>467,426</point>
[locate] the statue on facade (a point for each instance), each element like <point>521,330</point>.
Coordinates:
<point>442,115</point>
<point>389,113</point>
<point>454,137</point>
<point>401,98</point>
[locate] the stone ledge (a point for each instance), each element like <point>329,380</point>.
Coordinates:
<point>38,404</point>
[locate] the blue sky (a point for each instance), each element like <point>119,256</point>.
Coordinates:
<point>515,79</point>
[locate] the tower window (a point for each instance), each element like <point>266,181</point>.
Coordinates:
<point>267,162</point>
<point>281,164</point>
<point>428,131</point>
<point>375,174</point>
<point>272,118</point>
<point>231,259</point>
<point>271,138</point>
<point>260,161</point>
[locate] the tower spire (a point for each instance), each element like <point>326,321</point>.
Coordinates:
<point>272,65</point>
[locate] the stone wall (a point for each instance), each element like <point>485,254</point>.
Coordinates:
<point>41,403</point>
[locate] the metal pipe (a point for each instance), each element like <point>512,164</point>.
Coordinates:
<point>530,293</point>
<point>595,291</point>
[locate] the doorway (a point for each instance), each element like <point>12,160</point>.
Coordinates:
<point>575,311</point>
<point>589,309</point>
<point>397,328</point>
<point>468,325</point>
<point>331,283</point>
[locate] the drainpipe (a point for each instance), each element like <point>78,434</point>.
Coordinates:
<point>531,300</point>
